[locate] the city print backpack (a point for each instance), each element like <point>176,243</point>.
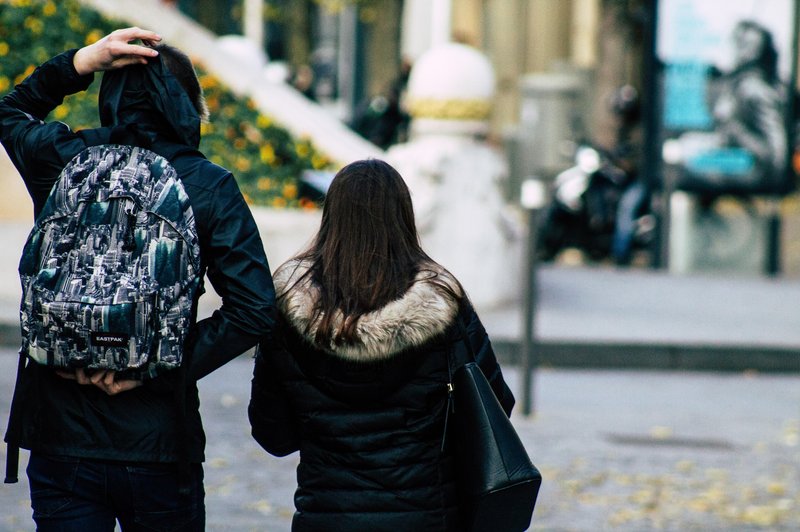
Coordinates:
<point>110,270</point>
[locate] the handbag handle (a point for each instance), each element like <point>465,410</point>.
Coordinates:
<point>457,357</point>
<point>462,352</point>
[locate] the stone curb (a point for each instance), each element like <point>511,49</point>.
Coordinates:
<point>622,355</point>
<point>614,355</point>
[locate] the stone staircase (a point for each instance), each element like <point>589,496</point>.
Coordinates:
<point>302,117</point>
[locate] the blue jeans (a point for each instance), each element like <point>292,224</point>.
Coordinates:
<point>80,495</point>
<point>629,208</point>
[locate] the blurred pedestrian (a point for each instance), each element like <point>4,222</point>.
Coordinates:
<point>634,200</point>
<point>303,80</point>
<point>381,119</point>
<point>356,375</point>
<point>106,446</point>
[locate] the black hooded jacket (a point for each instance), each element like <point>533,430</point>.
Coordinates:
<point>145,106</point>
<point>369,417</point>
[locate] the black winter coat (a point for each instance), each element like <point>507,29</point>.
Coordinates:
<point>143,106</point>
<point>368,419</point>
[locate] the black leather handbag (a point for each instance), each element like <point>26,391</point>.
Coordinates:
<point>497,482</point>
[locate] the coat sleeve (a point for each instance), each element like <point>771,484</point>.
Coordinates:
<point>239,272</point>
<point>39,149</point>
<point>271,421</point>
<point>485,357</point>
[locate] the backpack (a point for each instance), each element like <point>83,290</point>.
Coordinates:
<point>110,270</point>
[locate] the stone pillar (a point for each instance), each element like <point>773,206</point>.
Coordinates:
<point>426,23</point>
<point>254,21</point>
<point>468,21</point>
<point>442,24</point>
<point>506,41</point>
<point>548,23</point>
<point>381,51</point>
<point>585,18</point>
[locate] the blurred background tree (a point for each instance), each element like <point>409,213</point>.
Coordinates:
<point>267,161</point>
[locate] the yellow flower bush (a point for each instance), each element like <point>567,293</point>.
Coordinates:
<point>266,160</point>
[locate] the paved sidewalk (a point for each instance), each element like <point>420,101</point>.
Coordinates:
<point>619,450</point>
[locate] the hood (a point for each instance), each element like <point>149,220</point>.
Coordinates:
<point>148,99</point>
<point>422,313</point>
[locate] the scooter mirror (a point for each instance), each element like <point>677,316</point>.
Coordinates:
<point>588,159</point>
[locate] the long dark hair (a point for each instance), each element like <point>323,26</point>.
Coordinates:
<point>367,251</point>
<point>767,59</point>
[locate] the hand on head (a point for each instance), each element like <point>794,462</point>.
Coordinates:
<point>114,51</point>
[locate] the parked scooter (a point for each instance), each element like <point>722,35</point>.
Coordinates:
<point>600,205</point>
<point>583,211</point>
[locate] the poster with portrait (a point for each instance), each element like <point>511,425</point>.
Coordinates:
<point>726,79</point>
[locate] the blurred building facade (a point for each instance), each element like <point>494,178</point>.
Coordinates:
<point>357,49</point>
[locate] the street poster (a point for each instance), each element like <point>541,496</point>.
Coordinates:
<point>726,80</point>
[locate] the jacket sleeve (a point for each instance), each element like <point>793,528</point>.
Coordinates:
<point>485,357</point>
<point>271,421</point>
<point>40,149</point>
<point>239,273</point>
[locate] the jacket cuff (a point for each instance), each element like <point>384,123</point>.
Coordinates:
<point>72,82</point>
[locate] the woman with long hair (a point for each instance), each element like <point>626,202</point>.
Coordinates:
<point>749,109</point>
<point>355,375</point>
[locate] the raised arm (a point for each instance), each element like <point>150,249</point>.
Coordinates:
<point>40,149</point>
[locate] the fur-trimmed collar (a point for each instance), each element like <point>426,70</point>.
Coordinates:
<point>419,315</point>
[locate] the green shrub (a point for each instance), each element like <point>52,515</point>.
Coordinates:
<point>266,159</point>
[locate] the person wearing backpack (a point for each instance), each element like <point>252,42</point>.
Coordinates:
<point>355,375</point>
<point>119,438</point>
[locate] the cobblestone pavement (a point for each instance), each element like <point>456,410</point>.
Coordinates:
<point>619,450</point>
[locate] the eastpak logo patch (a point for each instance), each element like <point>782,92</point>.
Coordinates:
<point>110,339</point>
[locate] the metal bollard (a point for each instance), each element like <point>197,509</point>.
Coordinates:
<point>532,198</point>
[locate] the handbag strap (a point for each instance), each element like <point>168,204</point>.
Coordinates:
<point>459,355</point>
<point>462,351</point>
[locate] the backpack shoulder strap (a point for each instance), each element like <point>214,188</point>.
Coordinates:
<point>14,428</point>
